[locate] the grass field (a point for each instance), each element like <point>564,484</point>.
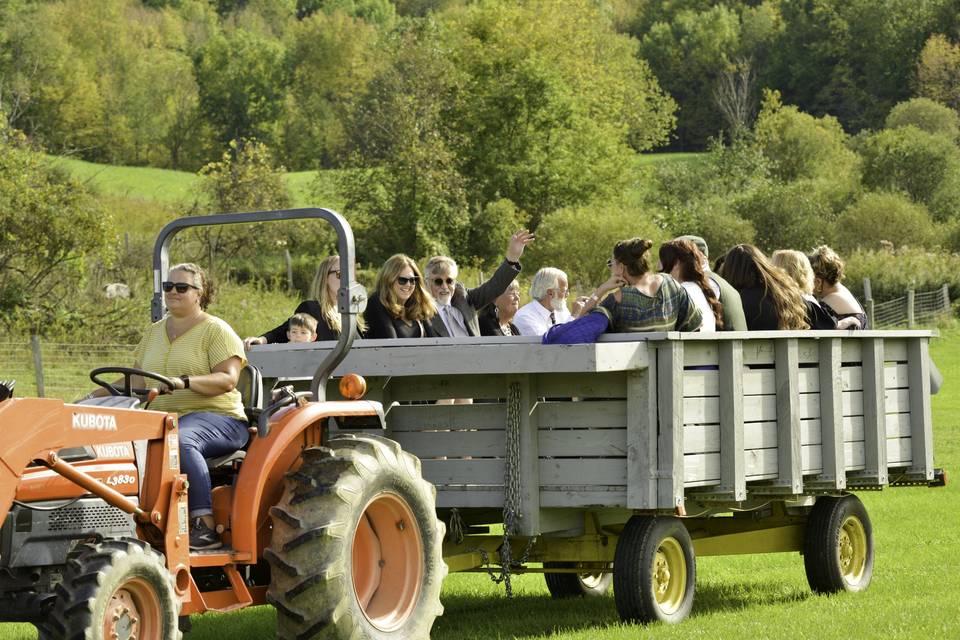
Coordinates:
<point>914,594</point>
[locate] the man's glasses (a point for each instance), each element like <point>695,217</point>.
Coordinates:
<point>609,262</point>
<point>439,281</point>
<point>181,287</point>
<point>404,281</point>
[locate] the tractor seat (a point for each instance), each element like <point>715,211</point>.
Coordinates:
<point>250,386</point>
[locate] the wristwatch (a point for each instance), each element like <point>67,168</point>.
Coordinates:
<point>186,381</point>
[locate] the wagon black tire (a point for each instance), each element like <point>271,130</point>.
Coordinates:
<point>356,550</point>
<point>654,570</point>
<point>576,585</point>
<point>116,588</point>
<point>838,545</point>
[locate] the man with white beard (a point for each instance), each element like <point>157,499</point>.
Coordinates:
<point>549,305</point>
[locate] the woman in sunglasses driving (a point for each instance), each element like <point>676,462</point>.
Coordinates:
<point>322,305</point>
<point>400,307</point>
<point>203,357</point>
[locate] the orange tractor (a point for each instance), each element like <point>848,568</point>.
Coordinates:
<point>338,532</point>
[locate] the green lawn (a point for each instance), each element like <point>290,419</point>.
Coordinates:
<point>914,593</point>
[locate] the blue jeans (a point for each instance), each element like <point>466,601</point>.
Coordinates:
<point>206,435</point>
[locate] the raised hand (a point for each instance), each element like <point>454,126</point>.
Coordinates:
<point>518,242</point>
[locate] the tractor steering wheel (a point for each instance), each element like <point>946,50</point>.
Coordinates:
<point>128,372</point>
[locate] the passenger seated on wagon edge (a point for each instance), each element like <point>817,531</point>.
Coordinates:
<point>771,299</point>
<point>645,301</point>
<point>457,306</point>
<point>684,262</point>
<point>400,306</point>
<point>796,265</point>
<point>322,305</point>
<point>496,319</point>
<point>548,306</point>
<point>733,319</point>
<point>834,296</point>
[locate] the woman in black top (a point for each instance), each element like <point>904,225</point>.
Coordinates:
<point>400,306</point>
<point>771,299</point>
<point>833,295</point>
<point>322,306</point>
<point>495,318</point>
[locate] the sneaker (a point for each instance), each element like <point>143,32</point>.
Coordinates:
<point>203,537</point>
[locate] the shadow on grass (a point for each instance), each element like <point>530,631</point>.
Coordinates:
<point>490,616</point>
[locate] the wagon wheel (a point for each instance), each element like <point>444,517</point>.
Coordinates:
<point>654,571</point>
<point>117,589</point>
<point>573,585</point>
<point>356,550</point>
<point>838,545</point>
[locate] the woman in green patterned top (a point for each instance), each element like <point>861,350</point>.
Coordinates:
<point>633,299</point>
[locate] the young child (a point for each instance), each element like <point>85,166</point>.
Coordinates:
<point>302,327</point>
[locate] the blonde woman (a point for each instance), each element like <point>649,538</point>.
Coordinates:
<point>401,306</point>
<point>796,265</point>
<point>322,305</point>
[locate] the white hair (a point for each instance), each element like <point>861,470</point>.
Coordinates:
<point>545,279</point>
<point>441,264</point>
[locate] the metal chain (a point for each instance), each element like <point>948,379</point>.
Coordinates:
<point>455,529</point>
<point>511,497</point>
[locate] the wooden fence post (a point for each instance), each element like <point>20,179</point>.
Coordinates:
<point>37,364</point>
<point>867,290</point>
<point>945,292</point>
<point>910,308</point>
<point>289,263</point>
<point>871,314</point>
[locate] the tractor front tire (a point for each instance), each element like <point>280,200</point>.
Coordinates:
<point>115,589</point>
<point>576,585</point>
<point>838,545</point>
<point>654,570</point>
<point>356,550</point>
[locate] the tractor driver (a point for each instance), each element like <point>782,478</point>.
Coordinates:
<point>203,356</point>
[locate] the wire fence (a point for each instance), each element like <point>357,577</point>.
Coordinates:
<point>57,370</point>
<point>910,310</point>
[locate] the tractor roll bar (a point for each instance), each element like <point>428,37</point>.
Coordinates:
<point>351,297</point>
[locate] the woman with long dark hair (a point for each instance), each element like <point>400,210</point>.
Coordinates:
<point>683,260</point>
<point>771,299</point>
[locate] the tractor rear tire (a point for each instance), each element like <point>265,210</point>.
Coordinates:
<point>576,585</point>
<point>654,570</point>
<point>838,545</point>
<point>116,588</point>
<point>356,550</point>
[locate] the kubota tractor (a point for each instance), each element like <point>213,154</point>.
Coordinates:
<point>337,530</point>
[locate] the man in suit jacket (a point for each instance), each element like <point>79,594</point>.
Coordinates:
<point>457,306</point>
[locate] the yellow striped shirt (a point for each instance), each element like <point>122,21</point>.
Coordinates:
<point>195,353</point>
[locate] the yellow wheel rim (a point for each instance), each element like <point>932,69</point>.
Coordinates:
<point>852,549</point>
<point>669,573</point>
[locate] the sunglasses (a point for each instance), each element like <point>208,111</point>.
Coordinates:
<point>439,281</point>
<point>404,281</point>
<point>334,273</point>
<point>181,287</point>
<point>609,262</point>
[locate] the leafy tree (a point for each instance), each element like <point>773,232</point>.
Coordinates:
<point>552,105</point>
<point>884,217</point>
<point>923,165</point>
<point>926,115</point>
<point>579,239</point>
<point>242,85</point>
<point>332,58</point>
<point>799,145</point>
<point>51,227</point>
<point>409,195</point>
<point>938,71</point>
<point>792,215</point>
<point>490,230</point>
